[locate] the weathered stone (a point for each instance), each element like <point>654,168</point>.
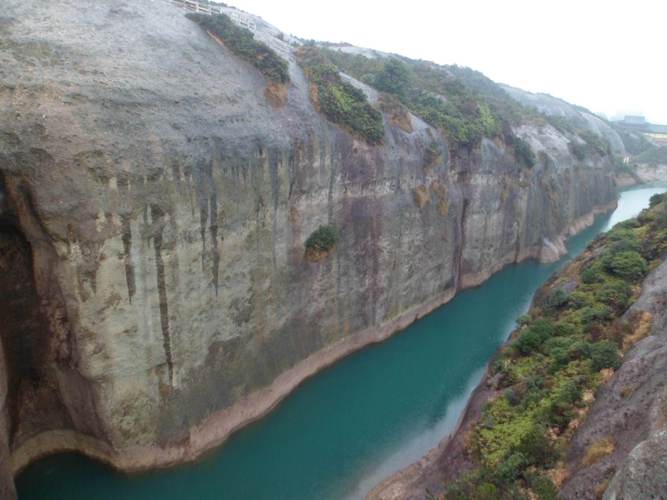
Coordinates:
<point>163,204</point>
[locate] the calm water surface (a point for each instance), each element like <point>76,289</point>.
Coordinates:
<point>349,427</point>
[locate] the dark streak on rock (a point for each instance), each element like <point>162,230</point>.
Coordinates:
<point>157,215</point>
<point>127,249</point>
<point>214,238</point>
<point>203,220</point>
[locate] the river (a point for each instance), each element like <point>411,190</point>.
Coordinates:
<point>354,424</point>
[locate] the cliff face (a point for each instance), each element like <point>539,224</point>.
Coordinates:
<point>154,208</point>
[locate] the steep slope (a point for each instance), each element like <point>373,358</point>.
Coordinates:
<point>155,202</point>
<point>577,116</point>
<point>574,405</point>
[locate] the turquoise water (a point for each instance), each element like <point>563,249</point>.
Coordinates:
<point>352,425</point>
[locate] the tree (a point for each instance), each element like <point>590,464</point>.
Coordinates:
<point>394,78</point>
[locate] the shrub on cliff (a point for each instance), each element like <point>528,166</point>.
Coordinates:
<point>394,78</point>
<point>242,43</point>
<point>323,239</point>
<point>340,101</point>
<point>604,354</point>
<point>534,335</point>
<point>627,264</point>
<point>524,153</point>
<point>615,294</point>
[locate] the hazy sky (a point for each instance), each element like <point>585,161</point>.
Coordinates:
<point>608,56</point>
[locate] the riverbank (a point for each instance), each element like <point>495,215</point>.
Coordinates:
<point>487,434</point>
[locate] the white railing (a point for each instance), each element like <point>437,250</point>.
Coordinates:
<point>194,6</point>
<point>239,18</point>
<point>205,8</point>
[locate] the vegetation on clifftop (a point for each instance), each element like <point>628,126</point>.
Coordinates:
<point>546,376</point>
<point>243,44</point>
<point>340,101</point>
<point>439,97</point>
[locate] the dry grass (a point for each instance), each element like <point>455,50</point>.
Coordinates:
<point>642,329</point>
<point>598,450</point>
<point>421,196</point>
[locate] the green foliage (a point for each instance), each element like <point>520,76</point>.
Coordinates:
<point>543,487</point>
<point>616,294</point>
<point>554,359</point>
<point>592,274</point>
<point>654,156</point>
<point>537,448</point>
<point>626,264</point>
<point>583,142</point>
<point>604,354</point>
<point>323,239</point>
<point>243,44</point>
<point>464,104</point>
<point>595,314</point>
<point>339,101</point>
<point>557,299</point>
<point>394,78</point>
<point>534,335</point>
<point>524,153</point>
<point>656,199</point>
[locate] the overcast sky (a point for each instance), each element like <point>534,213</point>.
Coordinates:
<point>608,56</point>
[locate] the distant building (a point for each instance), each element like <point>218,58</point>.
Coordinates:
<point>634,120</point>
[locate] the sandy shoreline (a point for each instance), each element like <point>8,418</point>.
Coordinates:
<point>217,428</point>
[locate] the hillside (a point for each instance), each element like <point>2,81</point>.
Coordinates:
<point>194,219</point>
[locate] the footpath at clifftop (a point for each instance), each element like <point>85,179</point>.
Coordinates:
<point>575,404</point>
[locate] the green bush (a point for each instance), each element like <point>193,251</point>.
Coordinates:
<point>543,487</point>
<point>559,410</point>
<point>512,467</point>
<point>594,314</point>
<point>534,336</point>
<point>627,264</point>
<point>242,43</point>
<point>524,153</point>
<point>615,294</point>
<point>537,448</point>
<point>339,101</point>
<point>592,274</point>
<point>557,299</point>
<point>323,239</point>
<point>604,354</point>
<point>394,78</point>
<point>656,199</point>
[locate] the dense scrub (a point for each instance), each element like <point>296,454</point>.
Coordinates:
<point>242,43</point>
<point>439,97</point>
<point>655,156</point>
<point>545,377</point>
<point>341,102</point>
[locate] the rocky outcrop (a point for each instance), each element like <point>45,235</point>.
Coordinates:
<point>576,115</point>
<point>155,207</point>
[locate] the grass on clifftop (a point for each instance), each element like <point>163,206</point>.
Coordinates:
<point>243,44</point>
<point>546,376</point>
<point>341,102</point>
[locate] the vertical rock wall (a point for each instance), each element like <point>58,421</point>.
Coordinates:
<point>155,229</point>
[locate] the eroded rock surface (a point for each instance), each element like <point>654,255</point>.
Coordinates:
<point>155,206</point>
